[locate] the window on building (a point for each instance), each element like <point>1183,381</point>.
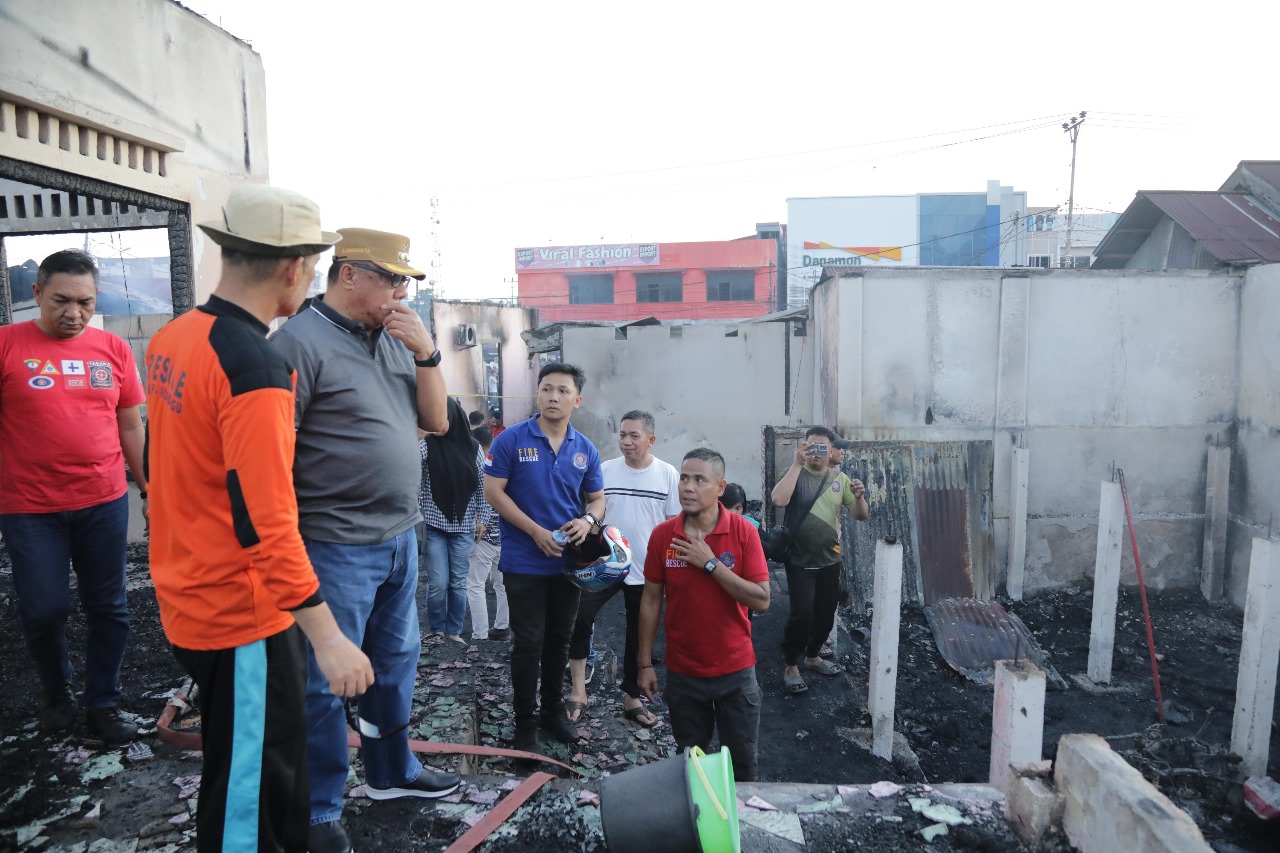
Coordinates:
<point>1080,262</point>
<point>957,231</point>
<point>591,289</point>
<point>731,286</point>
<point>1040,222</point>
<point>1041,261</point>
<point>660,287</point>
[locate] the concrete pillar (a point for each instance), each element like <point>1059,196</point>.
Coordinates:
<point>1214,558</point>
<point>1018,523</point>
<point>1017,719</point>
<point>1259,655</point>
<point>1106,583</point>
<point>883,682</point>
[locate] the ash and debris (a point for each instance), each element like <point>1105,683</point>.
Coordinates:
<point>64,794</point>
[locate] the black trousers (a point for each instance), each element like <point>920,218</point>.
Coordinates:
<point>543,609</point>
<point>253,788</point>
<point>588,607</point>
<point>728,705</point>
<point>814,594</point>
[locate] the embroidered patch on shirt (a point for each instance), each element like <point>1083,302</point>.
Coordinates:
<point>100,375</point>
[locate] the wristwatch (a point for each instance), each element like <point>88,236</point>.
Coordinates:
<point>588,517</point>
<point>434,361</point>
<point>710,565</point>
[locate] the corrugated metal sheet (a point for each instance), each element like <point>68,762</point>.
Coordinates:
<point>1266,170</point>
<point>941,504</point>
<point>933,497</point>
<point>1231,226</point>
<point>973,635</point>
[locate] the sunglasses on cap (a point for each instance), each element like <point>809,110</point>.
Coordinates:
<point>390,279</point>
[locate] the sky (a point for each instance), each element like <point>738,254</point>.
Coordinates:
<point>560,123</point>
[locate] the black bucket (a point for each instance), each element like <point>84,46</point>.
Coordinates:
<point>650,808</point>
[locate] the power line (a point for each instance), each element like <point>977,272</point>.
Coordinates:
<point>597,196</point>
<point>705,164</point>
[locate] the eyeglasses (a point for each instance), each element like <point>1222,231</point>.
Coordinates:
<point>390,279</point>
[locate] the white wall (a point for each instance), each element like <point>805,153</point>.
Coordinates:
<point>1084,367</point>
<point>704,389</point>
<point>1255,463</point>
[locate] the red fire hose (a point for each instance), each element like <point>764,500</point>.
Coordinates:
<point>191,740</point>
<point>1142,591</point>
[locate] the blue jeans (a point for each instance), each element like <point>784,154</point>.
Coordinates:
<point>371,591</point>
<point>44,548</point>
<point>448,557</point>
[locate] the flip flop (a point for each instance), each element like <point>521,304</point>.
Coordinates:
<point>793,684</point>
<point>637,714</point>
<point>570,706</point>
<point>822,667</point>
<point>826,652</point>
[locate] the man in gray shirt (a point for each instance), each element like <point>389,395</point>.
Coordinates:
<point>366,382</point>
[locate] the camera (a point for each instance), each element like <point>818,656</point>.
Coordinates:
<point>821,449</point>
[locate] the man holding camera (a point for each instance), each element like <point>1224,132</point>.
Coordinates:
<point>813,561</point>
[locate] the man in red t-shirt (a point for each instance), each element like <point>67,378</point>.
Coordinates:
<point>708,563</point>
<point>70,419</point>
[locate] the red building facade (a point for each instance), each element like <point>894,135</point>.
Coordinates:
<point>721,280</point>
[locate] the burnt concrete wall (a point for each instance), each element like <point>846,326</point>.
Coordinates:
<point>703,388</point>
<point>1255,463</point>
<point>464,367</point>
<point>1083,367</point>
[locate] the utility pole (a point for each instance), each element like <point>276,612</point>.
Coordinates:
<point>436,279</point>
<point>1072,129</point>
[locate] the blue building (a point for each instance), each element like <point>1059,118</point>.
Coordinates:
<point>976,229</point>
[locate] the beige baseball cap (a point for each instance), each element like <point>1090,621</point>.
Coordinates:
<point>381,248</point>
<point>270,221</point>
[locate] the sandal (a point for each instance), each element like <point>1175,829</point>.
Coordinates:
<point>638,714</point>
<point>826,652</point>
<point>572,706</point>
<point>822,667</point>
<point>793,684</point>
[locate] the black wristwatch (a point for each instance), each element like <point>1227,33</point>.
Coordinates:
<point>434,361</point>
<point>588,517</point>
<point>710,565</point>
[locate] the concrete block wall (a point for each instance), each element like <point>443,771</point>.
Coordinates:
<point>703,388</point>
<point>1255,494</point>
<point>1082,367</point>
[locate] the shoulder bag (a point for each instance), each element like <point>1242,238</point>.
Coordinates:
<point>776,541</point>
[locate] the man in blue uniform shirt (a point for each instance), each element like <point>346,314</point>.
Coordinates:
<point>537,475</point>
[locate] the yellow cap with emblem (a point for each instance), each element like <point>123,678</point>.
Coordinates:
<point>381,248</point>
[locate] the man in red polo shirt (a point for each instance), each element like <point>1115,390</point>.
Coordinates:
<point>69,422</point>
<point>708,563</point>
